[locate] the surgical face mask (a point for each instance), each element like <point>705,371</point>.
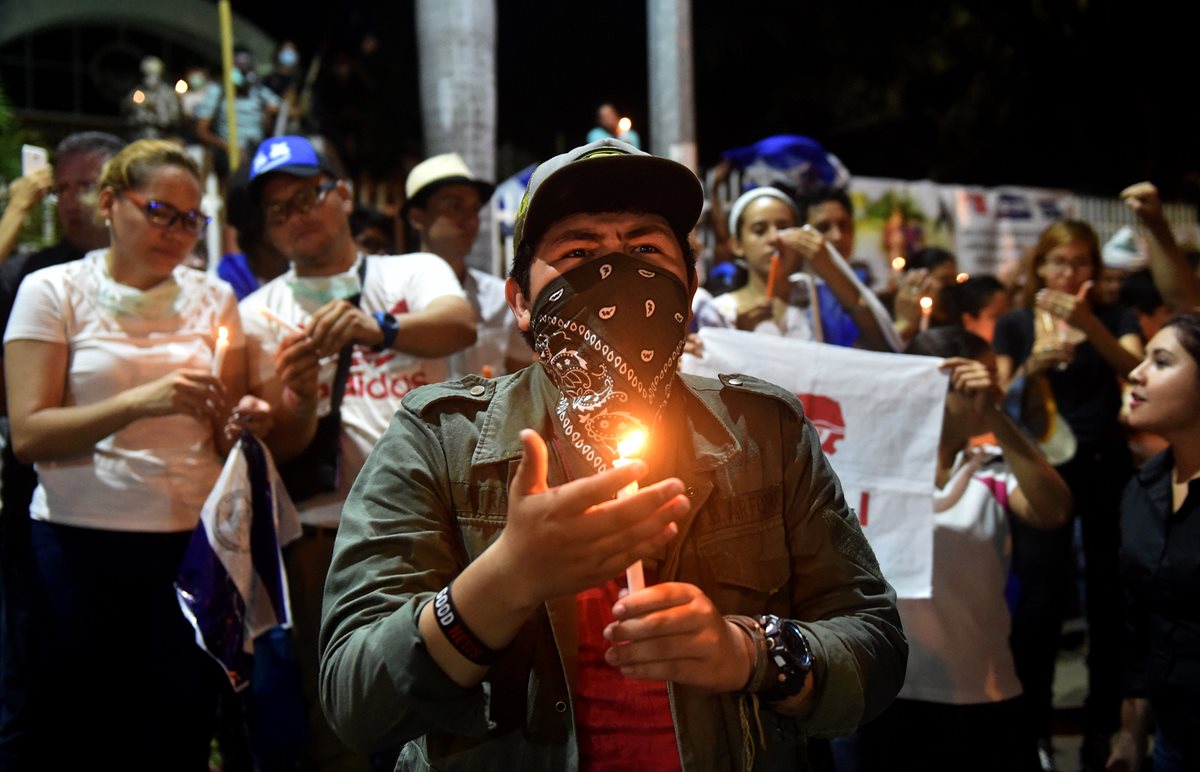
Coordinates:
<point>609,333</point>
<point>158,302</point>
<point>238,78</point>
<point>288,57</point>
<point>312,292</point>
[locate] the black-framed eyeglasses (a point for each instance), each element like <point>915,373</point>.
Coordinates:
<point>278,212</point>
<point>163,215</point>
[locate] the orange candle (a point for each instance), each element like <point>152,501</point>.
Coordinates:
<point>773,276</point>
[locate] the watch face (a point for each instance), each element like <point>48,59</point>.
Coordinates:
<point>796,644</point>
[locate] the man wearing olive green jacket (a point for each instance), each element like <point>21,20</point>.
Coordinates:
<point>471,612</point>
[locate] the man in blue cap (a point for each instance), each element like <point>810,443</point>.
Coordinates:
<point>332,346</point>
<point>474,610</point>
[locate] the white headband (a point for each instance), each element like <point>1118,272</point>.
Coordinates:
<point>744,200</point>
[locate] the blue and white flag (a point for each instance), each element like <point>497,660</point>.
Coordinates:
<point>795,162</point>
<point>231,585</point>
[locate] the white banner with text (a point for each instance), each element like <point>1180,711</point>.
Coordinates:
<point>878,416</point>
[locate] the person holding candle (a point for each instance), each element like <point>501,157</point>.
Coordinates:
<point>920,298</point>
<point>611,124</point>
<point>333,345</point>
<point>1079,350</point>
<point>763,222</point>
<point>473,609</point>
<point>112,395</point>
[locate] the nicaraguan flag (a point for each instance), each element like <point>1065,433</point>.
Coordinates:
<point>231,585</point>
<point>795,162</point>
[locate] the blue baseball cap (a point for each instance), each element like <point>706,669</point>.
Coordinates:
<point>290,155</point>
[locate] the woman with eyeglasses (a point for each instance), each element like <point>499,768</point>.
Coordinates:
<point>114,393</point>
<point>1073,351</point>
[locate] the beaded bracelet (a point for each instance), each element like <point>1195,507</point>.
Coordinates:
<point>758,675</point>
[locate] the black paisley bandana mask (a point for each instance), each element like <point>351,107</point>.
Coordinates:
<point>609,334</point>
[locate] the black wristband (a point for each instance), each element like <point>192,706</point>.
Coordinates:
<point>456,631</point>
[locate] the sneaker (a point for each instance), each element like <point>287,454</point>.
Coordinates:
<point>1045,751</point>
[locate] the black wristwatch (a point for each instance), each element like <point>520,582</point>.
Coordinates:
<point>789,657</point>
<point>389,328</point>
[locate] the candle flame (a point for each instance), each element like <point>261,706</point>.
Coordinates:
<point>926,303</point>
<point>624,125</point>
<point>222,334</point>
<point>632,444</point>
<point>962,277</point>
<point>138,97</point>
<point>898,263</point>
<point>181,86</point>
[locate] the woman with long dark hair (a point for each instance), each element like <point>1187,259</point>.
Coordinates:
<point>1070,353</point>
<point>1160,558</point>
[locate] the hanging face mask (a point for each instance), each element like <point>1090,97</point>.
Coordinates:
<point>609,334</point>
<point>237,77</point>
<point>312,292</point>
<point>158,302</point>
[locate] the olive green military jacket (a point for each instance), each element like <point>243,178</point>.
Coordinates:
<point>768,531</point>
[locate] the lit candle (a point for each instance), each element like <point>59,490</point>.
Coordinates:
<point>773,275</point>
<point>962,277</point>
<point>898,263</point>
<point>486,371</point>
<point>219,351</point>
<point>926,311</point>
<point>627,449</point>
<point>623,126</point>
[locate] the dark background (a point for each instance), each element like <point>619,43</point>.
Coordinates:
<point>1084,95</point>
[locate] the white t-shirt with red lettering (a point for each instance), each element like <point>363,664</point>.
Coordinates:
<point>378,380</point>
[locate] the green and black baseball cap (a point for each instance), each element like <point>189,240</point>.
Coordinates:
<point>607,176</point>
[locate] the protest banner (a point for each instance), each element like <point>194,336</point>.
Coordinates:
<point>878,417</point>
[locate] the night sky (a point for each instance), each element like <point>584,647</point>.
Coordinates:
<point>1086,95</point>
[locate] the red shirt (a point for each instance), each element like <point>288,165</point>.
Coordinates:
<point>621,723</point>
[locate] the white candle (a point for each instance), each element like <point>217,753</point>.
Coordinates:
<point>626,449</point>
<point>926,311</point>
<point>219,351</point>
<point>273,317</point>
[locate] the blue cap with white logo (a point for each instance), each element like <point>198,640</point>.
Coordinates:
<point>290,155</point>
